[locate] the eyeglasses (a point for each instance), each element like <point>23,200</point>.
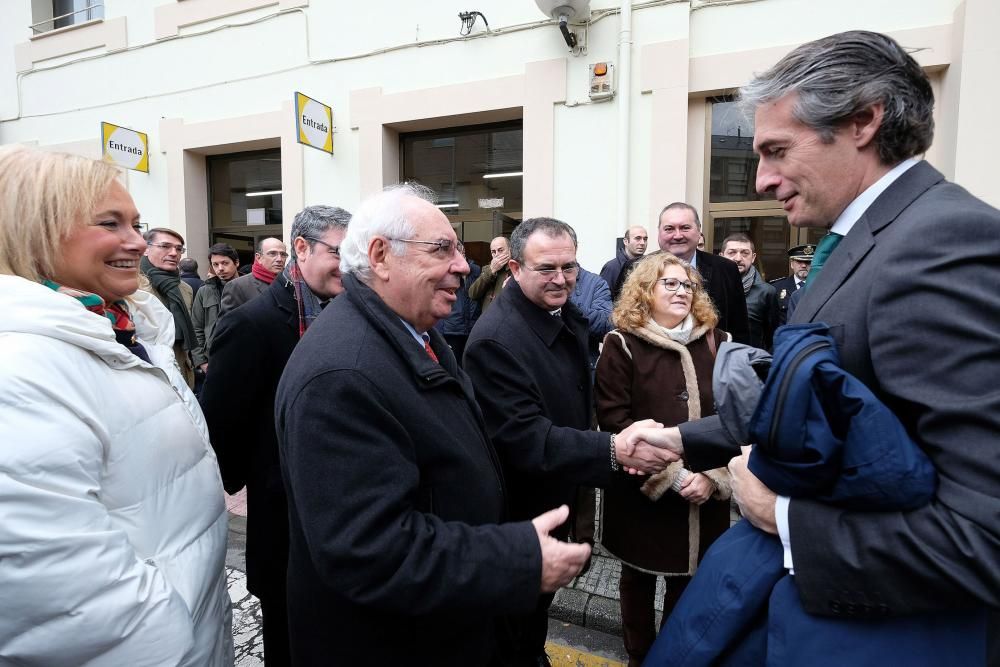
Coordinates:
<point>549,272</point>
<point>443,247</point>
<point>332,249</point>
<point>672,285</point>
<point>275,253</point>
<point>168,246</point>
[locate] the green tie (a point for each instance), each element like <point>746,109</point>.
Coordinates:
<point>823,250</point>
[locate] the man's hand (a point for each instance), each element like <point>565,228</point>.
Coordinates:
<point>756,501</point>
<point>636,455</point>
<point>561,561</point>
<point>697,488</point>
<point>665,438</point>
<point>499,262</point>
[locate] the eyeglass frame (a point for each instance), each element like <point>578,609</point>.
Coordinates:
<point>442,245</point>
<point>163,244</point>
<point>689,286</point>
<point>333,249</point>
<point>567,271</point>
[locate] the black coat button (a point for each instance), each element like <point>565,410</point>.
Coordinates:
<point>683,396</point>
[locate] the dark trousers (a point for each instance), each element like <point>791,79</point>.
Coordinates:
<point>521,638</point>
<point>638,591</point>
<point>274,626</point>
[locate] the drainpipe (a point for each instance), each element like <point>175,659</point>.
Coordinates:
<point>624,110</point>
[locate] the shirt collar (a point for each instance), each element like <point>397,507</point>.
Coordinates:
<point>413,332</point>
<point>857,208</point>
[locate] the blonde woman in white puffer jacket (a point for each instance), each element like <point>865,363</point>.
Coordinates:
<point>112,518</point>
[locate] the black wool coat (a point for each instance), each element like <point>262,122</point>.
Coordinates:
<point>250,347</point>
<point>395,496</point>
<point>532,377</point>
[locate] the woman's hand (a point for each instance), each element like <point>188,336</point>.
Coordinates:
<point>697,488</point>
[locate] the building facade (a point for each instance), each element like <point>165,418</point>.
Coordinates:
<point>494,111</point>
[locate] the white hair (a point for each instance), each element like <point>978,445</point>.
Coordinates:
<point>380,215</point>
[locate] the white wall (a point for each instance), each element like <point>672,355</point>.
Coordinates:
<point>239,71</point>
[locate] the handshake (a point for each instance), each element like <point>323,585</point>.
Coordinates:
<point>645,447</point>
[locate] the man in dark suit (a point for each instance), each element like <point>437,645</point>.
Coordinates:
<point>909,290</point>
<point>529,361</point>
<point>250,348</point>
<point>799,261</point>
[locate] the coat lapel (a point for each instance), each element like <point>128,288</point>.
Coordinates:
<point>861,239</point>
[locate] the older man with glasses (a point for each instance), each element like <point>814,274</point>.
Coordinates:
<point>161,277</point>
<point>268,262</point>
<point>395,493</point>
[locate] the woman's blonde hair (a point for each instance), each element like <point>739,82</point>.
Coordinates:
<point>43,196</point>
<point>634,307</point>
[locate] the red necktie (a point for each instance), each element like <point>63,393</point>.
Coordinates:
<point>430,352</point>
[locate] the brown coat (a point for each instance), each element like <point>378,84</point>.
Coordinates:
<point>640,375</point>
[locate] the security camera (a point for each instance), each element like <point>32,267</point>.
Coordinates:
<point>565,11</point>
<point>573,10</point>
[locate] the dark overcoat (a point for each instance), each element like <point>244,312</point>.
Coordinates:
<point>532,376</point>
<point>250,348</point>
<point>395,495</point>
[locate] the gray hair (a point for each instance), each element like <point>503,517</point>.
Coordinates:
<point>380,215</point>
<point>188,265</point>
<point>549,226</point>
<point>314,221</point>
<point>681,206</point>
<point>841,75</point>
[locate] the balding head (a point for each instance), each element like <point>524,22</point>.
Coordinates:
<point>636,238</point>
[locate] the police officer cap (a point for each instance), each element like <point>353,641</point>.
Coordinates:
<point>802,253</point>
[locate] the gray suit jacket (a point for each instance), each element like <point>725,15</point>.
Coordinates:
<point>913,296</point>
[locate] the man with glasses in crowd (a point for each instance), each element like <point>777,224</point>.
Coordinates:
<point>249,351</point>
<point>161,277</point>
<point>529,361</point>
<point>267,263</point>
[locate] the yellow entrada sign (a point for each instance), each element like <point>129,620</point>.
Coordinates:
<point>124,147</point>
<point>313,123</point>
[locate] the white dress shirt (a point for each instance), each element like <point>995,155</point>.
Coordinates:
<point>843,225</point>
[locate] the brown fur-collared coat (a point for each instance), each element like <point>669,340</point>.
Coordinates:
<point>643,374</point>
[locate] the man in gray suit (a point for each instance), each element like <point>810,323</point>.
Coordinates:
<point>909,289</point>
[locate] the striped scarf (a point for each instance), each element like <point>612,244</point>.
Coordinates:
<point>309,305</point>
<point>116,312</point>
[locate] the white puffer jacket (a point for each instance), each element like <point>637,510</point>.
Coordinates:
<point>112,518</point>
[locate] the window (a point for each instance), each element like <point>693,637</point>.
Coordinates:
<point>52,14</point>
<point>477,175</point>
<point>245,199</point>
<point>733,202</point>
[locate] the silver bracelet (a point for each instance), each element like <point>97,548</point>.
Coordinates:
<point>614,459</point>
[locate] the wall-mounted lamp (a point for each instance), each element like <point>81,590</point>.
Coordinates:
<point>565,11</point>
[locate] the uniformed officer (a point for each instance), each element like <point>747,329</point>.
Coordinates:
<point>799,261</point>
